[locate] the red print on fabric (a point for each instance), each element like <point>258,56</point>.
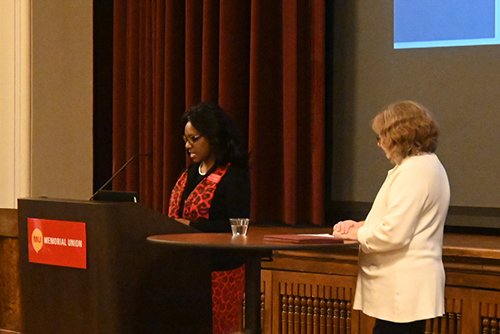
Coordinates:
<point>198,202</point>
<point>176,196</point>
<point>227,285</point>
<point>227,300</point>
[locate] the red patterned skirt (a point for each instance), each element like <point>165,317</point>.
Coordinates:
<point>228,287</point>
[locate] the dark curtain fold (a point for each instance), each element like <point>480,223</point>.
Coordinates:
<point>262,61</point>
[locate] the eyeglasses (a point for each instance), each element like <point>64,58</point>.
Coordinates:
<point>191,139</point>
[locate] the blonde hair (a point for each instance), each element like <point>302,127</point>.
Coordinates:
<point>406,128</point>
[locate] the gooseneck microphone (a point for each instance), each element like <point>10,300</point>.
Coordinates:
<point>118,172</point>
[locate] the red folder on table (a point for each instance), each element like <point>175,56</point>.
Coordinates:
<point>303,238</point>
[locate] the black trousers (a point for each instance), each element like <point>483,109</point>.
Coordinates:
<point>387,327</point>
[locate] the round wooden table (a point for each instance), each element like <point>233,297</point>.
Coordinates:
<point>252,248</point>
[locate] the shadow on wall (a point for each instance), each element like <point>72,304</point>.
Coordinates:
<point>340,45</point>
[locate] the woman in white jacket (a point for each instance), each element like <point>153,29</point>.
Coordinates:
<point>401,276</point>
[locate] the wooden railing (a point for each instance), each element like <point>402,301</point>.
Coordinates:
<point>312,292</point>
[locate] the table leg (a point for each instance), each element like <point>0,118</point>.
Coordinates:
<point>252,295</point>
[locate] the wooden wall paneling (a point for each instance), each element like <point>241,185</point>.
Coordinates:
<point>10,305</point>
<point>472,309</point>
<point>313,303</point>
<point>488,303</point>
<point>472,279</point>
<point>452,321</point>
<point>342,262</point>
<point>472,289</point>
<point>366,323</point>
<point>10,308</point>
<point>267,314</point>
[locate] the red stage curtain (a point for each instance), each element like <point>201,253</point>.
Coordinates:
<point>262,61</point>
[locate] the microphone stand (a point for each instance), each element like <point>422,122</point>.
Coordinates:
<point>116,173</point>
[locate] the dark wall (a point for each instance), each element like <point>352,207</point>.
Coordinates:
<point>363,74</point>
<point>460,85</point>
<point>103,91</point>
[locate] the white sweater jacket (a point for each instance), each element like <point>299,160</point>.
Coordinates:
<point>401,275</point>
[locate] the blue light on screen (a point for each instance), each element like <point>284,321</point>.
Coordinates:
<point>440,23</point>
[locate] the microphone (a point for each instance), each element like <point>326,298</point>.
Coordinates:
<point>118,172</point>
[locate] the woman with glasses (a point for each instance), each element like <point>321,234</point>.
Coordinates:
<point>401,275</point>
<point>216,186</point>
<point>213,189</point>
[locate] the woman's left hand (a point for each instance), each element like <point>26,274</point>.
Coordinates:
<point>347,230</point>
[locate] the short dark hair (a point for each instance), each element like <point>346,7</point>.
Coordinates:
<point>222,133</point>
<point>406,128</point>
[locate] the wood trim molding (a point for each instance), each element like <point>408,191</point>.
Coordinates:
<point>15,104</point>
<point>462,219</point>
<point>8,223</point>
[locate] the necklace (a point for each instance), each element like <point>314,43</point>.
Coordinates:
<point>199,169</point>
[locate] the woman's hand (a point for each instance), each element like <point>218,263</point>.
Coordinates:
<point>184,221</point>
<point>347,229</point>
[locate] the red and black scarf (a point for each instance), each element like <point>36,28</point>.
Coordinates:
<point>197,204</point>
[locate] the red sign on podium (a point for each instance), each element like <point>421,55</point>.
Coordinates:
<point>57,242</point>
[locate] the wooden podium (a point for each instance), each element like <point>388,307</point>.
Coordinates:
<point>128,285</point>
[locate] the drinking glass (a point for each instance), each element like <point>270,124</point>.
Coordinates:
<point>239,226</point>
